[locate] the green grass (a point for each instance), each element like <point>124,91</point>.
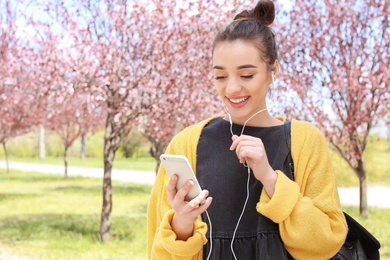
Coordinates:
<point>46,217</point>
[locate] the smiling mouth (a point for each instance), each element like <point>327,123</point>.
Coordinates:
<point>237,100</point>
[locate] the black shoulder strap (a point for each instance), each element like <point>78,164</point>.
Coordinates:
<point>288,139</point>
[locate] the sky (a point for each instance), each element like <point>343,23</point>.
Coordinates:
<point>33,10</point>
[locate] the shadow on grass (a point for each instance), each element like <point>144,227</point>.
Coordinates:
<point>16,196</point>
<point>75,184</point>
<point>30,177</point>
<point>124,189</point>
<point>68,227</point>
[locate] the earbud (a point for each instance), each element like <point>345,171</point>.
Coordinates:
<point>230,118</point>
<point>227,112</point>
<point>273,77</point>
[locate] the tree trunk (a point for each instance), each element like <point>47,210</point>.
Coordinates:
<point>6,156</point>
<point>112,141</point>
<point>105,224</point>
<point>42,143</point>
<point>83,152</point>
<point>362,174</point>
<point>156,150</point>
<point>66,163</point>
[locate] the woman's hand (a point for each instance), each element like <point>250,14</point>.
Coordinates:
<point>251,149</point>
<point>186,212</point>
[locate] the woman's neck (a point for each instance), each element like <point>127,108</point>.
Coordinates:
<point>259,119</point>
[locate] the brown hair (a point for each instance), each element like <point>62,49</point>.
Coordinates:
<point>253,26</point>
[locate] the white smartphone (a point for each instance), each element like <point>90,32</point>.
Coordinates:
<point>178,164</point>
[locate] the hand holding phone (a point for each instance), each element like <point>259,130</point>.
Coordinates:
<point>179,165</point>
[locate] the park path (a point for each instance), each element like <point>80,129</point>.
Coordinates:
<point>378,196</point>
<point>143,177</point>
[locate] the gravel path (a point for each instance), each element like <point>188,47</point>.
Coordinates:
<point>378,196</point>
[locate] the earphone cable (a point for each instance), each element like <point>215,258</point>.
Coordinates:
<point>211,234</point>
<point>242,213</point>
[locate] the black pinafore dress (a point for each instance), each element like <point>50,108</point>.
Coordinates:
<point>219,171</point>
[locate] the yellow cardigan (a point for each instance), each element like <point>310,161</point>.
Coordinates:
<point>311,223</point>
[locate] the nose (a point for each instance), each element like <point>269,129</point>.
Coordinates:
<point>232,86</point>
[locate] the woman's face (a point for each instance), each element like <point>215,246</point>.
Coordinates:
<point>241,78</point>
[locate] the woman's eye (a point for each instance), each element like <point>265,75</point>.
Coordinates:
<point>247,76</point>
<point>219,77</point>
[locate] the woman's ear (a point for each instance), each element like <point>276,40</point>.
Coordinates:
<point>275,70</point>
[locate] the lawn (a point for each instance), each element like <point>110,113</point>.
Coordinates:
<point>46,217</point>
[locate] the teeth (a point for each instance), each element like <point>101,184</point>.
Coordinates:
<point>236,101</point>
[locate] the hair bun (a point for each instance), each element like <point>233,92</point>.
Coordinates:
<point>264,12</point>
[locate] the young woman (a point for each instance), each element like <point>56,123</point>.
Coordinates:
<point>269,185</point>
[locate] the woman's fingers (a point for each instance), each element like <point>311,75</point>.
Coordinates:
<point>248,148</point>
<point>198,200</point>
<point>186,212</point>
<point>183,191</point>
<point>177,197</point>
<point>171,188</point>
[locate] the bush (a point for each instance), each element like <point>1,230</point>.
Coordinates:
<point>376,157</point>
<point>95,145</point>
<point>22,146</point>
<point>135,145</point>
<point>27,145</point>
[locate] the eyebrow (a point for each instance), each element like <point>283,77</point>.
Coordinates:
<point>246,66</point>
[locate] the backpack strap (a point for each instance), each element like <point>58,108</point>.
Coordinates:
<point>287,126</point>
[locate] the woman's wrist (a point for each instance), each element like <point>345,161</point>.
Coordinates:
<point>182,228</point>
<point>269,182</point>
